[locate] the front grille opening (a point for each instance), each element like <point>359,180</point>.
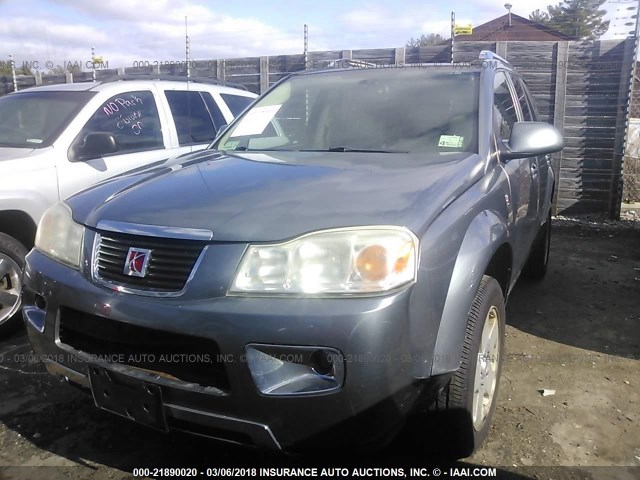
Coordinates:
<point>185,357</point>
<point>170,264</point>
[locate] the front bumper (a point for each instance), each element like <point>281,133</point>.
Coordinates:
<point>372,336</point>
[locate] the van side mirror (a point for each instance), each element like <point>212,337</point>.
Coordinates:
<point>96,144</point>
<point>530,139</point>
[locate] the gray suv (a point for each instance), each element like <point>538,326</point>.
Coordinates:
<point>339,257</point>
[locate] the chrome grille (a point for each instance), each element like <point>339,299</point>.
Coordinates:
<point>170,265</point>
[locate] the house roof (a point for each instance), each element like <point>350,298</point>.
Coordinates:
<point>521,29</point>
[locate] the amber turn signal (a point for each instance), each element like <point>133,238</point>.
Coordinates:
<point>371,263</point>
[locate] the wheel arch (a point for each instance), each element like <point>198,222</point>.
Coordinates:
<point>485,250</point>
<point>19,225</point>
<point>500,267</point>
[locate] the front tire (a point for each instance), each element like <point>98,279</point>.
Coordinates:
<point>12,254</point>
<point>465,408</point>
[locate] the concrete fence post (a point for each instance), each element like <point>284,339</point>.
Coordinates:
<point>501,49</point>
<point>559,104</point>
<point>264,74</point>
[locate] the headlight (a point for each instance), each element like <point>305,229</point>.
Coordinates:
<point>340,261</point>
<point>59,237</point>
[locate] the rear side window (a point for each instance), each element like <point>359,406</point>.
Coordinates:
<point>191,117</point>
<point>236,103</point>
<point>504,110</point>
<point>132,118</point>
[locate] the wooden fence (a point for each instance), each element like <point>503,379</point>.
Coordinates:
<point>582,88</point>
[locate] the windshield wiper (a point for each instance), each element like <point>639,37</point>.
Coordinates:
<point>349,149</point>
<point>332,149</point>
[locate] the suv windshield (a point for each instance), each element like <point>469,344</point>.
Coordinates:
<point>34,120</point>
<point>422,110</point>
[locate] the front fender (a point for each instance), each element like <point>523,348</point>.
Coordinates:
<point>34,204</point>
<point>486,233</point>
<point>31,190</point>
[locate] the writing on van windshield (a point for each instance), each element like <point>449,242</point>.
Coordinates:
<point>123,110</point>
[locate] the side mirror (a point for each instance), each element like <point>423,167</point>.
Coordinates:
<point>530,139</point>
<point>96,144</point>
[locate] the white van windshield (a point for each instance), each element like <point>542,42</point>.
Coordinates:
<point>36,119</point>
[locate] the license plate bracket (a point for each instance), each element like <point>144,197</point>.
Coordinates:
<point>128,397</point>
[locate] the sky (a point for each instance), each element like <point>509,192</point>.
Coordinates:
<point>55,31</point>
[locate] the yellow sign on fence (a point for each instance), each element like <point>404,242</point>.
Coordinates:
<point>463,29</point>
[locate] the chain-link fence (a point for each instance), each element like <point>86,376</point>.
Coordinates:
<point>631,170</point>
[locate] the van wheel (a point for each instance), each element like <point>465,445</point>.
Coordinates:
<point>465,408</point>
<point>536,266</point>
<point>12,255</point>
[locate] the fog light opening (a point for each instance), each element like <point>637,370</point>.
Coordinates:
<point>322,363</point>
<point>40,302</point>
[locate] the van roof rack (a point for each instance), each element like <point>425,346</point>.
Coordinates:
<point>170,78</point>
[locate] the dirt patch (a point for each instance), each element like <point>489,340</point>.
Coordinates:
<point>577,332</point>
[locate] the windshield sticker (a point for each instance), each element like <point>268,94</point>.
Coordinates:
<point>451,141</point>
<point>34,140</point>
<point>231,145</point>
<point>255,121</point>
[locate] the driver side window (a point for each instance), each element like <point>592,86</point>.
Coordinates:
<point>504,110</point>
<point>132,118</point>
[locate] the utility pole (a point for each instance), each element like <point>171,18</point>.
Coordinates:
<point>13,72</point>
<point>186,41</point>
<point>306,66</point>
<point>453,27</point>
<point>306,45</point>
<point>637,28</point>
<point>93,64</point>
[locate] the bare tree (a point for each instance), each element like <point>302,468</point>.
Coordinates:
<point>427,40</point>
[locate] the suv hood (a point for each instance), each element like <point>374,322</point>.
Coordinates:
<point>257,197</point>
<point>11,153</point>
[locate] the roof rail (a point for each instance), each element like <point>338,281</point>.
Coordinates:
<point>170,78</point>
<point>489,55</point>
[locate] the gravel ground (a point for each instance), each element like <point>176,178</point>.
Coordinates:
<point>577,333</point>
